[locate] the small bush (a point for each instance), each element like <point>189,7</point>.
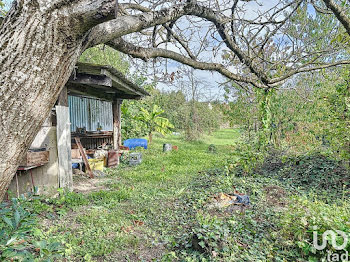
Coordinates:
<point>304,217</point>
<point>20,237</point>
<point>209,235</point>
<point>245,158</point>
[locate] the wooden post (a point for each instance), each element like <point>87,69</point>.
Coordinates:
<point>64,148</point>
<point>65,171</point>
<point>63,98</point>
<point>117,137</point>
<point>17,187</point>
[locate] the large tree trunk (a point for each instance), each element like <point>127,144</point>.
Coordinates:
<point>38,51</point>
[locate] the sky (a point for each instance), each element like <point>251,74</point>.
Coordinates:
<point>7,4</point>
<point>211,88</point>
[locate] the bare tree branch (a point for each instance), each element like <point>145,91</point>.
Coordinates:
<point>148,53</point>
<point>181,41</point>
<point>307,69</point>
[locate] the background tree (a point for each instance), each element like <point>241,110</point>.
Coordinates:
<point>182,108</point>
<point>105,55</point>
<point>154,122</point>
<point>2,11</point>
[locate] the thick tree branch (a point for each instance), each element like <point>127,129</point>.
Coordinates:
<point>148,53</point>
<point>106,32</point>
<point>128,24</point>
<point>339,13</point>
<point>136,7</point>
<point>124,25</point>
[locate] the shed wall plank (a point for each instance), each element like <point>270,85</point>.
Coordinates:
<point>117,136</point>
<point>64,148</point>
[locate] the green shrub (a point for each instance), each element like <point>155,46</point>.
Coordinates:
<point>304,217</point>
<point>245,158</point>
<point>209,234</point>
<point>20,237</point>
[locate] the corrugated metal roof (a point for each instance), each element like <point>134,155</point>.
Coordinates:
<point>90,113</point>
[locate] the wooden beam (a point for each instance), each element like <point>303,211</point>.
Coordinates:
<point>98,92</point>
<point>82,152</point>
<point>87,79</point>
<point>117,138</point>
<point>121,84</point>
<point>63,97</point>
<point>90,91</point>
<point>120,95</point>
<point>119,81</point>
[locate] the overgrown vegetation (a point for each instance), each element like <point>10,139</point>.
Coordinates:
<point>289,152</point>
<point>162,209</point>
<point>310,114</point>
<point>21,238</point>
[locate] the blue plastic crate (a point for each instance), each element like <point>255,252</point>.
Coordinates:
<point>136,142</point>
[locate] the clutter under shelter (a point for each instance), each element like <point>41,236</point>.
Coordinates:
<point>82,131</point>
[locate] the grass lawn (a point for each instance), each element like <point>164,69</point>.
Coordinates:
<point>136,216</point>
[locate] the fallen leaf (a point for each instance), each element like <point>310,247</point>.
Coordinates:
<point>127,229</point>
<point>138,223</point>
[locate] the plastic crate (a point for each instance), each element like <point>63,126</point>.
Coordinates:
<point>136,142</point>
<point>96,164</point>
<point>135,159</point>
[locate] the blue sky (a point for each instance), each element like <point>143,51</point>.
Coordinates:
<point>7,4</point>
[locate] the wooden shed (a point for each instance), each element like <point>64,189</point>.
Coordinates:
<point>89,109</point>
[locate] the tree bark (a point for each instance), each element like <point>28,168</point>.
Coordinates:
<point>38,52</point>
